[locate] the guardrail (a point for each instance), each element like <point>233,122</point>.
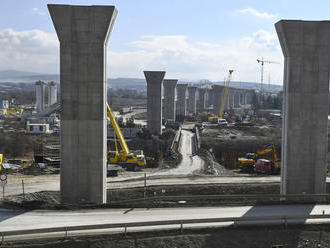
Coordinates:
<point>176,140</point>
<point>241,197</point>
<point>181,222</point>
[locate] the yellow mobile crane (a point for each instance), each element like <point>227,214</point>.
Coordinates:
<point>124,158</point>
<point>216,118</point>
<point>1,160</point>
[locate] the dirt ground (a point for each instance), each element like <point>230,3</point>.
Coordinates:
<point>229,143</point>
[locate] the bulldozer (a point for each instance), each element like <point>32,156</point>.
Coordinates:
<point>124,157</point>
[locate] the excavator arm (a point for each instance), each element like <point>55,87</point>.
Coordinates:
<point>117,130</point>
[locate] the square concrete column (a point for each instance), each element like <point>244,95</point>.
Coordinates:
<point>236,100</point>
<point>201,103</point>
<point>306,49</point>
<point>169,98</point>
<point>210,97</point>
<point>192,99</point>
<point>245,98</point>
<point>83,32</point>
<point>154,100</point>
<point>181,91</point>
<point>217,91</point>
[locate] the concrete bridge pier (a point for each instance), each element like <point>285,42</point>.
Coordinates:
<point>192,92</point>
<point>181,109</point>
<point>154,100</point>
<point>83,32</point>
<point>169,98</point>
<point>306,49</point>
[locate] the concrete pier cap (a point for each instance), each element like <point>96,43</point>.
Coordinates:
<point>154,100</point>
<point>83,32</point>
<point>169,98</point>
<point>306,50</point>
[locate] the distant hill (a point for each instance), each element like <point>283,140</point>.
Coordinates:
<point>128,83</point>
<point>254,86</point>
<point>10,74</point>
<point>26,77</point>
<point>136,83</point>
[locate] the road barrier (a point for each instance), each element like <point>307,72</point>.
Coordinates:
<point>237,220</point>
<point>176,141</point>
<point>240,197</point>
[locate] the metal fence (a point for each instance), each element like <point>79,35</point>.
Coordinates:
<point>179,224</point>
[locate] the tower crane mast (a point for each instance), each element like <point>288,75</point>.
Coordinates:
<point>262,61</point>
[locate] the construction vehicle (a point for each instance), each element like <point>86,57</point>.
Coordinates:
<point>14,111</point>
<point>124,158</point>
<point>1,160</point>
<point>275,162</point>
<point>251,162</point>
<point>214,118</point>
<point>246,164</point>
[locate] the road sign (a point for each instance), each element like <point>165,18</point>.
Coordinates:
<point>3,177</point>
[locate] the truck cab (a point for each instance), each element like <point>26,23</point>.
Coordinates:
<point>263,166</point>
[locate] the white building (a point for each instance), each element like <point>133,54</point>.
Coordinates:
<point>38,128</point>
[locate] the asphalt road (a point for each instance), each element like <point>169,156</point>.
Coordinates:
<point>18,220</point>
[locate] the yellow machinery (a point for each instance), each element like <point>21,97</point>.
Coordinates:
<point>13,111</point>
<point>213,117</point>
<point>1,160</point>
<point>247,163</point>
<point>124,158</point>
<point>276,163</point>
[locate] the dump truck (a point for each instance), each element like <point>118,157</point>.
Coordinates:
<point>249,162</point>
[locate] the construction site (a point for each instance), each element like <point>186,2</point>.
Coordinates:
<point>171,163</point>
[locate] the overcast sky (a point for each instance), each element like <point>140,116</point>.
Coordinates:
<point>189,39</point>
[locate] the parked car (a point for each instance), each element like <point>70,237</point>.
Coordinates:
<point>222,123</point>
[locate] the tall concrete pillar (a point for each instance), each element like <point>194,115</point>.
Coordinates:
<point>306,49</point>
<point>154,100</point>
<point>83,32</point>
<point>241,99</point>
<point>52,93</point>
<point>169,98</point>
<point>181,109</point>
<point>40,96</point>
<point>192,91</point>
<point>210,99</point>
<point>217,91</point>
<point>202,99</point>
<point>236,100</point>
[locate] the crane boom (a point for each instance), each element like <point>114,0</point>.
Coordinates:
<point>225,95</point>
<point>117,130</point>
